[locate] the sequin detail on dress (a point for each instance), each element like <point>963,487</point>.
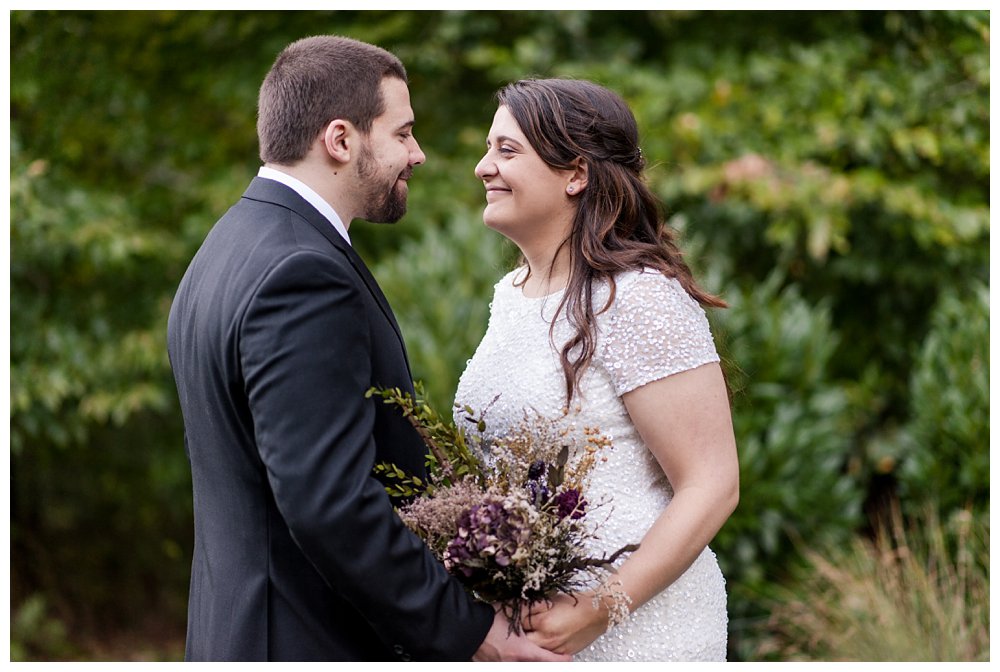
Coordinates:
<point>652,330</point>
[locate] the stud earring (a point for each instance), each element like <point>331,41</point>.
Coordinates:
<point>569,189</point>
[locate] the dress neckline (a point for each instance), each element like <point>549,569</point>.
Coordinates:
<point>550,295</point>
<point>519,290</point>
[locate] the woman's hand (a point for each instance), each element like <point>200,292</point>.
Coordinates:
<point>565,624</point>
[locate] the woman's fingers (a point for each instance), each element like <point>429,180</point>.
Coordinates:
<point>530,613</point>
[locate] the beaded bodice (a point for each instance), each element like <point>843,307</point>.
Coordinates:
<point>651,330</point>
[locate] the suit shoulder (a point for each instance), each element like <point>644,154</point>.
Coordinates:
<point>303,267</point>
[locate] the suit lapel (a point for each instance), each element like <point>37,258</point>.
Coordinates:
<point>261,189</point>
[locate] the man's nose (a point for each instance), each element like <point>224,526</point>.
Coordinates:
<point>417,155</point>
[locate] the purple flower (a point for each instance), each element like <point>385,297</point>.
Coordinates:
<point>571,504</point>
<point>538,489</point>
<point>538,492</point>
<point>536,470</point>
<point>487,534</point>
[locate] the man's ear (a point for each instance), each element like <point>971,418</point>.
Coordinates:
<point>338,138</point>
<point>578,177</point>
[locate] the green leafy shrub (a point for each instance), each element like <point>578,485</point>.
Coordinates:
<point>791,424</point>
<point>91,473</point>
<point>87,320</point>
<point>440,286</point>
<point>853,157</point>
<point>948,456</point>
<point>35,634</point>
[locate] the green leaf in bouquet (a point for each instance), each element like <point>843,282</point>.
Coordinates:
<point>450,457</point>
<point>557,472</point>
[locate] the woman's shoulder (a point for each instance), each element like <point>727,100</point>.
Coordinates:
<point>642,285</point>
<point>654,329</point>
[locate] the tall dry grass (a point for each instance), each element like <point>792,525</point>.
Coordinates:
<point>918,592</point>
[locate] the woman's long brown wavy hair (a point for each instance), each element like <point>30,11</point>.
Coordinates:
<point>618,225</point>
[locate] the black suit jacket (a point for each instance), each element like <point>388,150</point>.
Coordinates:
<point>275,333</point>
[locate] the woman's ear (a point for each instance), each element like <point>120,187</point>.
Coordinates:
<point>577,177</point>
<point>338,140</point>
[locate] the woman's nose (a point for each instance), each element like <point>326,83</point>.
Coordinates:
<point>485,167</point>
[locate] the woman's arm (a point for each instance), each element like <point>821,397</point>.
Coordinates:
<point>685,421</point>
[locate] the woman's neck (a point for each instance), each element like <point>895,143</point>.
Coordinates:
<point>549,269</point>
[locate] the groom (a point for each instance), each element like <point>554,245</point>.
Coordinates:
<point>275,333</point>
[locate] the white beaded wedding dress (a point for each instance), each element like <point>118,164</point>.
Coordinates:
<point>652,330</point>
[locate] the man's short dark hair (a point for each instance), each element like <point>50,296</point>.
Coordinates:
<point>314,81</point>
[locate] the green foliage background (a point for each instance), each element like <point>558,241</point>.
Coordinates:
<point>828,173</point>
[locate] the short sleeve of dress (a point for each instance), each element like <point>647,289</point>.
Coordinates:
<point>654,329</point>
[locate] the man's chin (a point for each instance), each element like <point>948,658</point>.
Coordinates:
<point>388,209</point>
<point>387,216</point>
<point>393,219</point>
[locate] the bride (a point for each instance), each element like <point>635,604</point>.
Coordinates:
<point>604,322</point>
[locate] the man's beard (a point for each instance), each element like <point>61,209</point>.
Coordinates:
<point>384,202</point>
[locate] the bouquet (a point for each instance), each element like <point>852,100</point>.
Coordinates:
<point>507,516</point>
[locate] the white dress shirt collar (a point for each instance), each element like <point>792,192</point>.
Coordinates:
<point>307,193</point>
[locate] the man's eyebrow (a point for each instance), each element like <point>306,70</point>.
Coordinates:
<point>405,125</point>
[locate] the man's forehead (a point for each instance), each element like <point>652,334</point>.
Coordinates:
<point>396,97</point>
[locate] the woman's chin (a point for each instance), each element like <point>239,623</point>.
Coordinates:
<point>496,225</point>
<point>491,221</point>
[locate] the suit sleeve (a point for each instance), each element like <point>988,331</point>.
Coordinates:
<point>305,354</point>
